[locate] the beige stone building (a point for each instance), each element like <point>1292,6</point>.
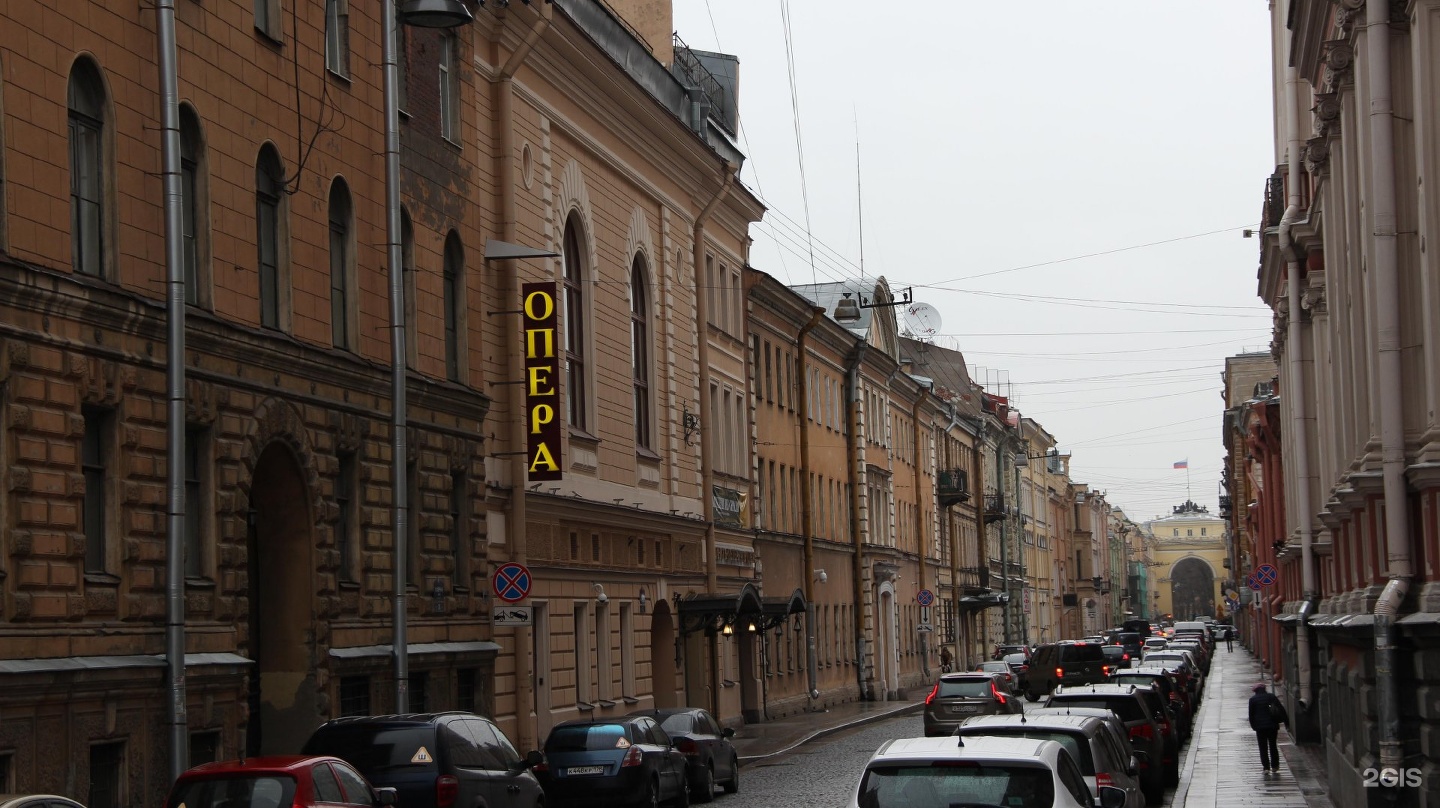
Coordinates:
<point>1190,551</point>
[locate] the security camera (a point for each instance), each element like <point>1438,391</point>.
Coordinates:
<point>821,577</point>
<point>603,598</point>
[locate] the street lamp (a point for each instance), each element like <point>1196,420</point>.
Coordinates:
<point>426,14</point>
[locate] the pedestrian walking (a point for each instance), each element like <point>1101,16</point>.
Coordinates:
<point>1266,716</point>
<point>946,659</point>
<point>1229,640</point>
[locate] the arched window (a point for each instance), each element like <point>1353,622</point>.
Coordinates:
<point>575,326</point>
<point>86,99</point>
<point>269,235</point>
<point>194,208</point>
<point>342,304</point>
<point>454,296</point>
<point>640,349</point>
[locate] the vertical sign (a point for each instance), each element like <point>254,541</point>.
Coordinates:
<point>542,381</point>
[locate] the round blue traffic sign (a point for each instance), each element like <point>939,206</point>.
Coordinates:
<point>1252,582</point>
<point>925,597</point>
<point>511,582</point>
<point>1267,574</point>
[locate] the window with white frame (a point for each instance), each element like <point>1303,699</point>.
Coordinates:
<point>337,37</point>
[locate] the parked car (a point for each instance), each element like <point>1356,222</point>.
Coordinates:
<point>1064,663</point>
<point>1195,628</point>
<point>1005,672</point>
<point>1184,660</point>
<point>433,760</point>
<point>1142,727</point>
<point>627,761</point>
<point>1103,758</point>
<point>1154,644</point>
<point>1170,687</point>
<point>1020,666</point>
<point>37,801</point>
<point>1116,657</point>
<point>957,696</point>
<point>1201,653</point>
<point>279,781</point>
<point>977,771</point>
<point>1132,641</point>
<point>1004,650</point>
<point>710,757</point>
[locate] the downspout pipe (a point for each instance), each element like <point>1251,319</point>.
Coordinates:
<point>515,359</point>
<point>1385,262</point>
<point>1304,512</point>
<point>708,427</point>
<point>807,508</point>
<point>852,450</point>
<point>921,545</point>
<point>177,717</point>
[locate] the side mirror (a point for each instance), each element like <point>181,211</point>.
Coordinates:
<point>728,732</point>
<point>533,758</point>
<point>1133,767</point>
<point>386,795</point>
<point>1111,797</point>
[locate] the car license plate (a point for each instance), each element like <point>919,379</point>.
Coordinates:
<point>574,770</point>
<point>963,709</point>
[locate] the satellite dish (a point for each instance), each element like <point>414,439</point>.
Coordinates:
<point>922,320</point>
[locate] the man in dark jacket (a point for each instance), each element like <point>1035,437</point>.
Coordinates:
<point>1266,716</point>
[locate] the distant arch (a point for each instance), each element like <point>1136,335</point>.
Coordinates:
<point>1192,588</point>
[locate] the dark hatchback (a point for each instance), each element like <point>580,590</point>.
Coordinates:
<point>619,761</point>
<point>958,696</point>
<point>433,760</point>
<point>710,756</point>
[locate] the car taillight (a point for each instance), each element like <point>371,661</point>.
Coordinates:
<point>1125,658</point>
<point>996,692</point>
<point>1059,673</point>
<point>633,758</point>
<point>447,788</point>
<point>540,768</point>
<point>1103,779</point>
<point>934,691</point>
<point>1104,670</point>
<point>1143,731</point>
<point>1024,668</point>
<point>687,746</point>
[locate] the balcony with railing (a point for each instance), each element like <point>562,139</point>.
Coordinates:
<point>953,487</point>
<point>995,509</point>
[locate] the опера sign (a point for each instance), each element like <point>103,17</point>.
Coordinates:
<point>542,382</point>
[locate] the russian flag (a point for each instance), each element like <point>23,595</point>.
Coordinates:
<point>1182,464</point>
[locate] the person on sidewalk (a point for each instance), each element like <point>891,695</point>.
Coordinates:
<point>1229,640</point>
<point>1266,716</point>
<point>946,659</point>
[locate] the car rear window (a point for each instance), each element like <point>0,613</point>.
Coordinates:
<point>678,724</point>
<point>1133,679</point>
<point>960,782</point>
<point>1074,742</point>
<point>1070,654</point>
<point>373,748</point>
<point>239,791</point>
<point>971,688</point>
<point>1129,638</point>
<point>1127,707</point>
<point>1114,651</point>
<point>587,738</point>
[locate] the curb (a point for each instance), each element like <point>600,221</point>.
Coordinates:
<point>868,718</point>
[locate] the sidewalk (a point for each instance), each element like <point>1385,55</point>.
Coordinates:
<point>755,742</point>
<point>1222,765</point>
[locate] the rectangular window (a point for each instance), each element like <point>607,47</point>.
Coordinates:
<point>582,655</point>
<point>769,388</point>
<point>710,289</point>
<point>267,225</point>
<point>415,556</point>
<point>451,299</point>
<point>627,652</point>
<point>449,91</point>
<point>267,18</point>
<point>204,747</point>
<point>402,64</point>
<point>354,695</point>
<point>339,283</point>
<point>95,459</point>
<point>460,529</point>
<point>594,546</point>
<point>659,562</point>
<point>189,230</point>
<point>604,676</point>
<point>86,192</point>
<point>345,522</point>
<point>197,504</point>
<point>107,762</point>
<point>337,37</point>
<point>465,679</point>
<point>419,691</point>
<point>7,785</point>
<point>574,546</point>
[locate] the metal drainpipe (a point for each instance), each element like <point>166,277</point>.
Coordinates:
<point>982,558</point>
<point>707,427</point>
<point>852,451</point>
<point>175,384</point>
<point>1004,534</point>
<point>1391,403</point>
<point>515,367</point>
<point>1304,512</point>
<point>943,516</point>
<point>920,543</point>
<point>807,509</point>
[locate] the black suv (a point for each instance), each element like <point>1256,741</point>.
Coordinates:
<point>1067,662</point>
<point>434,760</point>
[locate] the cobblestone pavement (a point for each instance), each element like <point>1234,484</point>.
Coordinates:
<point>1222,767</point>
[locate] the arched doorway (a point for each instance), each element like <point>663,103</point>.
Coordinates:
<point>887,647</point>
<point>662,656</point>
<point>1192,589</point>
<point>284,702</point>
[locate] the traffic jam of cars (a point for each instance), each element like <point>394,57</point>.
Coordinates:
<point>1117,708</point>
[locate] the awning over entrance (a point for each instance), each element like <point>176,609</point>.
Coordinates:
<point>714,613</point>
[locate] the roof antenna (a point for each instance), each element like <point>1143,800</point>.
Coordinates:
<point>960,741</point>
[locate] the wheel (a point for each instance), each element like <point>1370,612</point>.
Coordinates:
<point>1029,696</point>
<point>733,784</point>
<point>1154,792</point>
<point>704,790</point>
<point>1172,772</point>
<point>651,797</point>
<point>682,799</point>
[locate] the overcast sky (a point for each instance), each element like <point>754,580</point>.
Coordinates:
<point>1065,182</point>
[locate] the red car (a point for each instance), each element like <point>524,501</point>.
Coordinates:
<point>281,781</point>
